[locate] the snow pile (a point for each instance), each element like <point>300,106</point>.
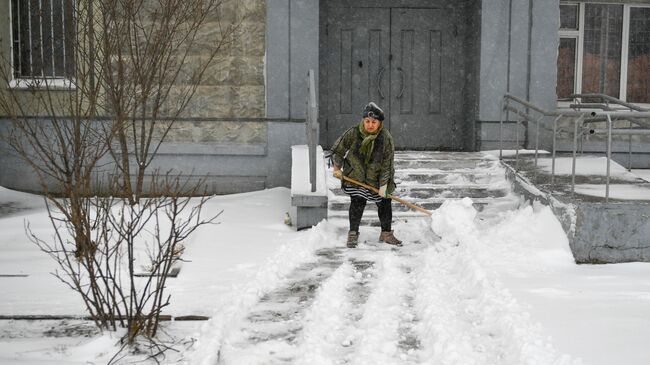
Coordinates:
<point>300,184</point>
<point>527,238</point>
<point>454,219</point>
<point>467,315</point>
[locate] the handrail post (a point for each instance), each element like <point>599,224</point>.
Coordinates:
<point>629,155</point>
<point>537,143</point>
<point>609,155</point>
<point>517,142</point>
<point>554,148</point>
<point>312,127</point>
<point>575,148</point>
<point>503,109</point>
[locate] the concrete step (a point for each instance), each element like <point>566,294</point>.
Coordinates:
<point>423,155</point>
<point>369,221</point>
<point>399,207</point>
<point>435,177</point>
<point>440,191</point>
<point>428,179</point>
<point>443,165</point>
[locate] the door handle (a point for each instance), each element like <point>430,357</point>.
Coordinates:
<point>401,74</point>
<point>379,75</point>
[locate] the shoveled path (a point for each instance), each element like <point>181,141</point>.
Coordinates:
<point>425,303</point>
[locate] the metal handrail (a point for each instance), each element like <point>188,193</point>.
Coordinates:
<point>612,99</point>
<point>537,119</point>
<point>527,111</point>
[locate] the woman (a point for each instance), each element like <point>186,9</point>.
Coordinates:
<point>365,153</point>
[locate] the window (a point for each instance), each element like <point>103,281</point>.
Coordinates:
<point>604,48</point>
<point>638,57</point>
<point>42,33</point>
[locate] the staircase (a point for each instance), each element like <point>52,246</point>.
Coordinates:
<point>430,178</point>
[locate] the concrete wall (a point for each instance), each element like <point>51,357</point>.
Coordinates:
<point>238,128</point>
<point>614,232</point>
<point>598,233</point>
<point>225,167</point>
<point>292,49</point>
<point>518,56</point>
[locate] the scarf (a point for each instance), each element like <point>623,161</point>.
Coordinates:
<point>368,143</point>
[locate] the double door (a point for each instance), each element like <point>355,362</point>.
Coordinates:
<point>403,59</point>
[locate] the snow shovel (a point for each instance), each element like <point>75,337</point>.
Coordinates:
<point>372,188</point>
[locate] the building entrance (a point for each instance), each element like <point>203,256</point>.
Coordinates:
<point>408,60</point>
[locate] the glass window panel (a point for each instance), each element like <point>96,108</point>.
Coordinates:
<point>569,16</point>
<point>566,65</point>
<point>638,66</point>
<point>69,36</point>
<point>15,33</point>
<point>35,34</point>
<point>57,15</point>
<point>46,30</point>
<point>24,69</point>
<point>601,65</point>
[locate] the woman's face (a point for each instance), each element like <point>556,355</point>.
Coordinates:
<point>371,124</point>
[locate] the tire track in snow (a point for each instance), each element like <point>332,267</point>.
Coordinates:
<point>326,321</point>
<point>271,329</point>
<point>379,333</point>
<point>354,310</point>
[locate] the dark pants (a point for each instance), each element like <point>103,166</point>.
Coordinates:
<point>384,209</point>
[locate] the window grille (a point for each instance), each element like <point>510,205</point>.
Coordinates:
<point>42,34</point>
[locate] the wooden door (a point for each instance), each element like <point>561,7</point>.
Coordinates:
<point>403,59</point>
<point>425,92</point>
<point>357,65</point>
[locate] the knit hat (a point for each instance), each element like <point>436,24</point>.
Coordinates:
<point>373,111</point>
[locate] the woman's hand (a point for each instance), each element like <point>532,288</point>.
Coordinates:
<point>337,172</point>
<point>382,191</point>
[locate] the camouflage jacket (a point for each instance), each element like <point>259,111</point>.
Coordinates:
<point>380,169</point>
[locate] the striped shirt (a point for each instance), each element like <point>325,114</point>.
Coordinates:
<point>362,192</point>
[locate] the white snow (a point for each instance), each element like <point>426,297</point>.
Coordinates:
<point>300,184</point>
<point>586,165</point>
<point>616,191</point>
<point>642,173</point>
<point>497,289</point>
<point>512,153</point>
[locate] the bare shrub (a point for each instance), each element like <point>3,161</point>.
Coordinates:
<point>119,223</point>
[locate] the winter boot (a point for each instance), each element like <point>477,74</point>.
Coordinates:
<point>389,237</point>
<point>353,239</point>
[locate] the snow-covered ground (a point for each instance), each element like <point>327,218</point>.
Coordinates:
<point>496,290</point>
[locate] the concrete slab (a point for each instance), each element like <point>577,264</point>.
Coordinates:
<point>600,229</point>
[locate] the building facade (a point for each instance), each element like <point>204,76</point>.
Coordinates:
<point>439,69</point>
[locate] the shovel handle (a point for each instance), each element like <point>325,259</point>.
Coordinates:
<point>372,188</point>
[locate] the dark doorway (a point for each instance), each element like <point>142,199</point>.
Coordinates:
<point>407,59</point>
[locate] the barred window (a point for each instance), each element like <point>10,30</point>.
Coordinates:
<point>42,34</point>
